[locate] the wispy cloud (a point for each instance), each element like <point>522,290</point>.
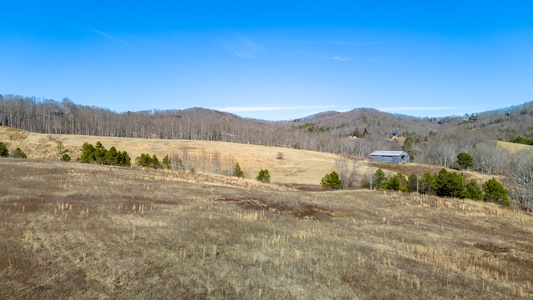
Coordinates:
<point>421,108</point>
<point>240,109</point>
<point>243,47</point>
<point>335,57</point>
<point>340,58</point>
<point>111,37</point>
<point>326,42</point>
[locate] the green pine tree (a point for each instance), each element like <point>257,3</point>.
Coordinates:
<point>99,153</point>
<point>263,176</point>
<point>87,153</point>
<point>154,162</point>
<point>111,157</point>
<point>331,181</point>
<point>473,190</point>
<point>465,160</point>
<point>166,162</point>
<point>412,183</point>
<point>495,192</point>
<point>238,172</point>
<point>379,179</point>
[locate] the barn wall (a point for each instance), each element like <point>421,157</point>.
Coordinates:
<point>387,159</point>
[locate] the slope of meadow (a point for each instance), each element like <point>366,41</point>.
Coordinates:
<point>70,230</point>
<point>297,167</point>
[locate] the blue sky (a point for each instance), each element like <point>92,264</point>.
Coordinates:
<point>273,60</point>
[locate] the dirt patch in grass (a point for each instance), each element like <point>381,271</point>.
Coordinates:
<point>299,210</point>
<point>492,248</point>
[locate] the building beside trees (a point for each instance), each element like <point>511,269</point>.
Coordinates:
<point>391,157</point>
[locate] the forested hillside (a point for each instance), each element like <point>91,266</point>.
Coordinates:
<point>435,141</point>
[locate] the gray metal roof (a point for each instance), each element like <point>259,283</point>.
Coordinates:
<point>388,153</point>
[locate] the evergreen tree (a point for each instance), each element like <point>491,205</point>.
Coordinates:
<point>427,184</point>
<point>87,153</point>
<point>99,153</point>
<point>412,183</point>
<point>20,154</point>
<point>397,183</point>
<point>473,190</point>
<point>238,172</point>
<point>3,150</point>
<point>154,162</point>
<point>124,159</point>
<point>393,184</point>
<point>143,160</point>
<point>379,179</point>
<point>263,176</point>
<point>331,181</point>
<point>408,147</point>
<point>166,162</point>
<point>450,184</point>
<point>465,160</point>
<point>111,157</point>
<point>495,192</point>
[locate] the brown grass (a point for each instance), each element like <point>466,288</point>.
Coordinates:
<point>299,168</point>
<point>71,230</point>
<point>514,148</point>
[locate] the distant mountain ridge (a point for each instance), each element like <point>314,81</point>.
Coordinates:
<point>357,132</point>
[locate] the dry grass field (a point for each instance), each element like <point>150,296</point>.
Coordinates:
<point>298,168</point>
<point>70,230</point>
<point>514,148</point>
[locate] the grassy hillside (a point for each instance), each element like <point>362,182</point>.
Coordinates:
<point>83,231</point>
<point>297,167</point>
<point>515,148</point>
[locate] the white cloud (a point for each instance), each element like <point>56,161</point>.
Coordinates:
<point>110,37</point>
<point>243,47</point>
<point>340,58</point>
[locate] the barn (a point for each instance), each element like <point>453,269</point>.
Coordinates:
<point>391,157</point>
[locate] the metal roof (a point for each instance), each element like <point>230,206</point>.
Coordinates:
<point>388,153</point>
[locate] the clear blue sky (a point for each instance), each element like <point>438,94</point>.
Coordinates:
<point>275,60</point>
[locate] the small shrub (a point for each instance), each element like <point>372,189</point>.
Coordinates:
<point>279,155</point>
<point>20,154</point>
<point>65,157</point>
<point>263,176</point>
<point>238,172</point>
<point>3,150</point>
<point>146,161</point>
<point>331,181</point>
<point>166,162</point>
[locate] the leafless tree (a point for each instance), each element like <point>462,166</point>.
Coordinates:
<point>521,178</point>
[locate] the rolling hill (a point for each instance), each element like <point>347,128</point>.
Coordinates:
<point>71,230</point>
<point>297,167</point>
